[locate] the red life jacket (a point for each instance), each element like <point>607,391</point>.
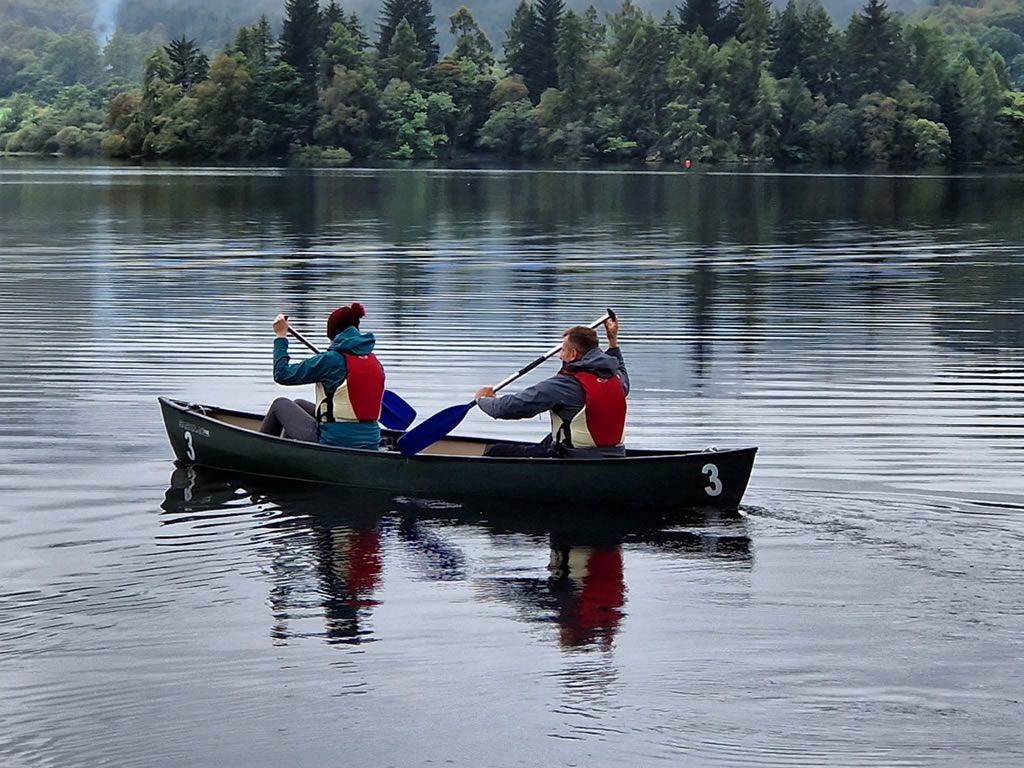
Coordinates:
<point>601,423</point>
<point>359,397</point>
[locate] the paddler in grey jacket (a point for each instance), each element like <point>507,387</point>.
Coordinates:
<point>586,400</point>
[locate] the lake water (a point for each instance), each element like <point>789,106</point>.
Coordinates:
<point>866,332</point>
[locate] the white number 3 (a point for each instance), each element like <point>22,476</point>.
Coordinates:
<point>190,450</point>
<point>715,489</point>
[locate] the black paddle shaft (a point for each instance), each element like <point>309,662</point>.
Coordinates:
<point>609,315</point>
<point>302,338</point>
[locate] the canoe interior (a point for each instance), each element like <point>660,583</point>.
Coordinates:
<point>450,446</point>
<point>447,447</point>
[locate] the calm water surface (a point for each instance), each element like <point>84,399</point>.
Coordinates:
<point>865,610</point>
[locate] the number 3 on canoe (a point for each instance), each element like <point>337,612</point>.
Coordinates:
<point>190,450</point>
<point>715,489</point>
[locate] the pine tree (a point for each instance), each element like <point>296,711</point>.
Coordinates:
<point>875,59</point>
<point>519,41</point>
<point>405,59</point>
<point>420,16</point>
<point>300,38</point>
<point>788,40</point>
<point>189,65</point>
<point>963,110</point>
<point>256,43</point>
<point>755,29</point>
<point>818,45</point>
<point>728,23</point>
<point>549,16</point>
<point>331,15</point>
<point>700,14</point>
<point>571,55</point>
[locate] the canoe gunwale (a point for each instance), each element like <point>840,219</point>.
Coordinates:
<point>207,412</point>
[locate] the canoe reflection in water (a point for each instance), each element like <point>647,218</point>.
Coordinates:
<point>339,539</point>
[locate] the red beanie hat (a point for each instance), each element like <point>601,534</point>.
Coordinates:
<point>344,317</point>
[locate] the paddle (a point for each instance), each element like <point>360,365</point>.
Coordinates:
<point>443,422</point>
<point>395,413</point>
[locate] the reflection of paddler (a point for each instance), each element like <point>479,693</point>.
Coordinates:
<point>356,562</point>
<point>591,589</point>
<point>350,569</point>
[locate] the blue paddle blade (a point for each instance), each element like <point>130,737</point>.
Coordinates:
<point>433,429</point>
<point>395,413</point>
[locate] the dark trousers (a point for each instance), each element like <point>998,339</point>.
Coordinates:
<point>541,450</point>
<point>295,417</point>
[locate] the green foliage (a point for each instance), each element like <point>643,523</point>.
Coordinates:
<point>300,39</point>
<point>789,38</point>
<point>73,59</point>
<point>347,109</point>
<point>125,53</point>
<point>544,72</point>
<point>188,64</point>
<point>412,124</point>
<point>715,82</point>
<point>405,59</point>
<point>704,15</point>
<point>511,131</point>
<point>257,44</point>
<point>470,42</point>
<point>875,51</point>
<point>819,41</point>
<point>470,90</point>
<point>520,41</point>
<point>420,16</point>
<point>320,157</point>
<point>930,140</point>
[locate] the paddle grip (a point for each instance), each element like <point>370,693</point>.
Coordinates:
<point>609,315</point>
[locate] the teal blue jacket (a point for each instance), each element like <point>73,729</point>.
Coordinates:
<point>329,368</point>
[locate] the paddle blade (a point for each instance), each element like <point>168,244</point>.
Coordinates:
<point>395,413</point>
<point>433,429</point>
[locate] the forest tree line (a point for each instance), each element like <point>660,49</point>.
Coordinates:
<point>711,82</point>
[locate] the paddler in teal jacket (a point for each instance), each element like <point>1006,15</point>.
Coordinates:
<point>349,384</point>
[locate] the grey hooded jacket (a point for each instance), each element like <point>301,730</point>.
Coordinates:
<point>563,395</point>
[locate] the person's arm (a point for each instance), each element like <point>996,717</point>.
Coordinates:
<point>535,400</point>
<point>309,371</point>
<point>611,328</point>
<point>623,374</point>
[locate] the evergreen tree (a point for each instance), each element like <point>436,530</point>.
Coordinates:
<point>789,29</point>
<point>343,49</point>
<point>470,41</point>
<point>963,110</point>
<point>405,60</point>
<point>545,74</point>
<point>189,65</point>
<point>755,29</point>
<point>700,14</point>
<point>875,54</point>
<point>257,44</point>
<point>728,23</point>
<point>331,15</point>
<point>300,38</point>
<point>420,16</point>
<point>819,42</point>
<point>797,125</point>
<point>571,55</point>
<point>518,45</point>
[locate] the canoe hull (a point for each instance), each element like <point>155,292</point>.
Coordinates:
<point>645,479</point>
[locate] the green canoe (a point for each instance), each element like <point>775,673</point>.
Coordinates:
<point>208,436</point>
